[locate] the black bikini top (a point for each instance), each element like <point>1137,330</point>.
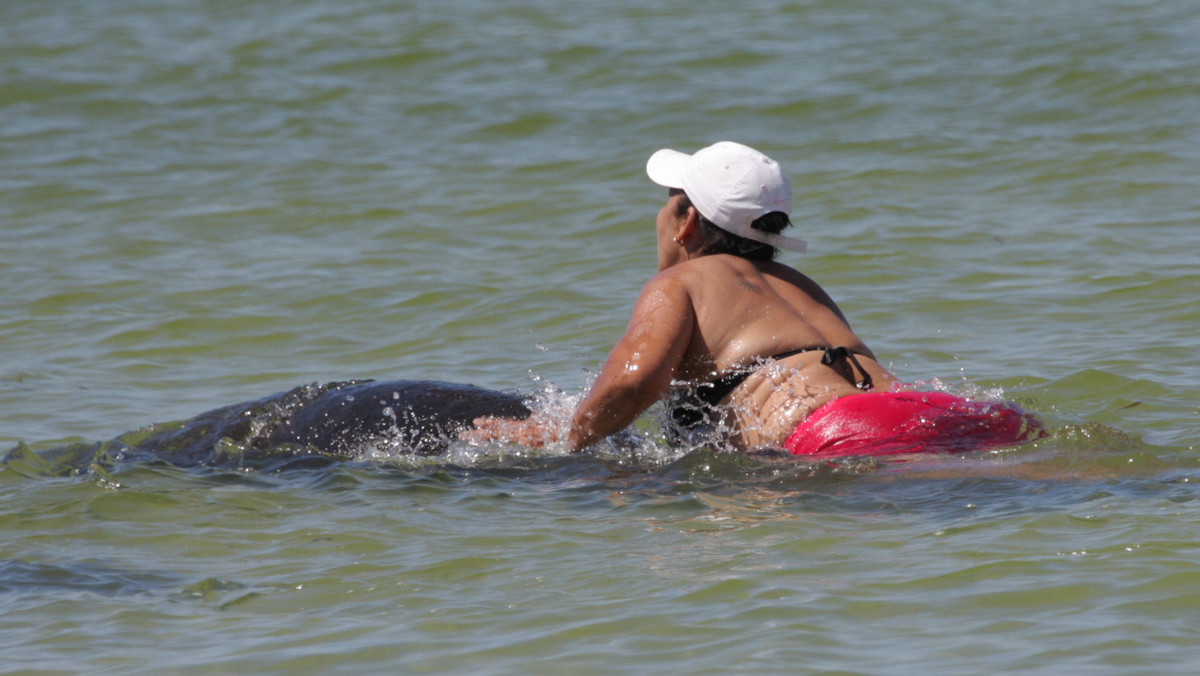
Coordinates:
<point>693,406</point>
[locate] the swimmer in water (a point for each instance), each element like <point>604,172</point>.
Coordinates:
<point>747,345</point>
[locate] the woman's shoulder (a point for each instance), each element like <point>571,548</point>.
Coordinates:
<point>686,273</point>
<point>715,266</point>
<point>700,277</point>
<point>723,268</point>
<point>672,286</point>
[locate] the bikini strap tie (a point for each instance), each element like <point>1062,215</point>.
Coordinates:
<point>835,354</point>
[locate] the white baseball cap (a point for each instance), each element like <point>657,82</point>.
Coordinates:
<point>731,185</point>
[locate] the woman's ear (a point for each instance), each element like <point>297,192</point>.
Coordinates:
<point>689,227</point>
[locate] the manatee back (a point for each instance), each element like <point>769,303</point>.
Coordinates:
<point>312,424</point>
<point>409,416</point>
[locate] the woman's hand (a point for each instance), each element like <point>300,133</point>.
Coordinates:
<point>536,431</point>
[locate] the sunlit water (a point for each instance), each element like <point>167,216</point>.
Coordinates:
<point>205,203</point>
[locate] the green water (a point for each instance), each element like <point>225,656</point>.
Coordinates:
<point>204,203</point>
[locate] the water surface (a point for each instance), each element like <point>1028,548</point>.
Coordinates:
<point>205,203</point>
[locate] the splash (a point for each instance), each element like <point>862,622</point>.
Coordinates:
<point>641,445</point>
<point>414,425</point>
<point>965,389</point>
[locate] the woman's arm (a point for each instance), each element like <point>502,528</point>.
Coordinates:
<point>642,364</point>
<point>638,371</point>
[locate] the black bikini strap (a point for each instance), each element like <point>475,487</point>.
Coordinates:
<point>834,354</point>
<point>712,393</point>
<point>791,353</point>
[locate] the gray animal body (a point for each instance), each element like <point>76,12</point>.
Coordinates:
<point>312,423</point>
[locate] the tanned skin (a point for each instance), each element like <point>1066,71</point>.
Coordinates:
<point>701,316</point>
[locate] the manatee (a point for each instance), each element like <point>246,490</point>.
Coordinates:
<point>318,423</point>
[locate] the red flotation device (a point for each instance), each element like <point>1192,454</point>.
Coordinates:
<point>892,423</point>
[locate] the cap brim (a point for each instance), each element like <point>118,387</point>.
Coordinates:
<point>666,167</point>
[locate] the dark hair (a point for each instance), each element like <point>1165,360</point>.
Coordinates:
<point>718,241</point>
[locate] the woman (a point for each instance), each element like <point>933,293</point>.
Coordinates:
<point>752,347</point>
